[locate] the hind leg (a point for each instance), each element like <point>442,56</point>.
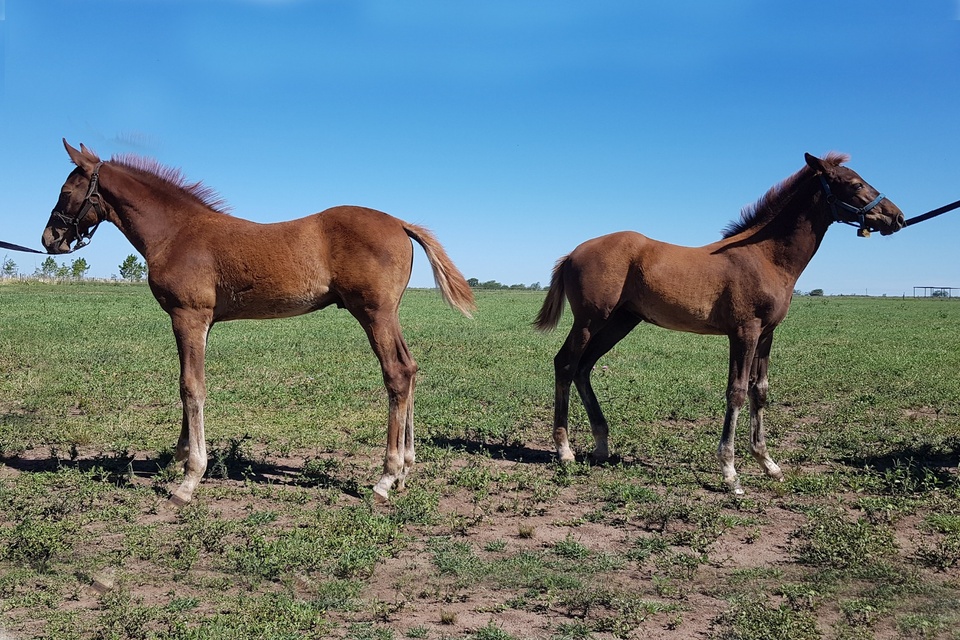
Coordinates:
<point>409,455</point>
<point>399,371</point>
<point>564,365</point>
<point>616,328</point>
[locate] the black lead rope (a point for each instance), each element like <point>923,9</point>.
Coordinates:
<point>932,214</point>
<point>16,247</point>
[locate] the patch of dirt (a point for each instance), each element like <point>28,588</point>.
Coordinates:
<point>407,592</point>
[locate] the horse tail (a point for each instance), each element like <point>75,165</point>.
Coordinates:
<point>552,307</point>
<point>453,286</point>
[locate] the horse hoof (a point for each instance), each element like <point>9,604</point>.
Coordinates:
<point>178,501</point>
<point>734,485</point>
<point>599,458</point>
<point>379,495</point>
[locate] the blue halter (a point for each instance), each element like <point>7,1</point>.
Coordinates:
<point>859,213</point>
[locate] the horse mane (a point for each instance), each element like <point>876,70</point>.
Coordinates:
<point>173,177</point>
<point>772,201</point>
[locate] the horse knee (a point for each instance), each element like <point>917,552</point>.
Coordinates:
<point>758,394</point>
<point>737,396</point>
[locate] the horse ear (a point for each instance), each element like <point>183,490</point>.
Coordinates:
<point>82,158</point>
<point>90,154</point>
<point>815,163</point>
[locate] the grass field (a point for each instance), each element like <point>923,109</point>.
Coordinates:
<point>492,538</point>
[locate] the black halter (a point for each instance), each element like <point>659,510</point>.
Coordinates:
<point>93,199</point>
<point>859,213</point>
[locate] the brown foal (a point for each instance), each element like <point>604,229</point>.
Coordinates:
<point>206,266</point>
<point>739,286</point>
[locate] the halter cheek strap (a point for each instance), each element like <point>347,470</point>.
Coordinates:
<point>859,212</point>
<point>92,199</point>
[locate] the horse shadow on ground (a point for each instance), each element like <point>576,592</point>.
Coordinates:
<point>913,467</point>
<point>124,468</point>
<point>517,453</point>
<point>522,454</point>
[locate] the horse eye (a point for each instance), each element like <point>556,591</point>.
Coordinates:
<point>858,186</point>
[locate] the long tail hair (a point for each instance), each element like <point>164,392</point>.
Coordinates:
<point>453,286</point>
<point>552,307</point>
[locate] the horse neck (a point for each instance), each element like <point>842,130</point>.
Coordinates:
<point>138,210</point>
<point>793,235</point>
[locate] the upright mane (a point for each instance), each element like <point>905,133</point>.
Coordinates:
<point>772,201</point>
<point>174,178</point>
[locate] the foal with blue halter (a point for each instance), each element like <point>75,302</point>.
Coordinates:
<point>739,286</point>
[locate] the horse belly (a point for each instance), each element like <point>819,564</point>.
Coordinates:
<point>682,319</point>
<point>263,303</point>
<point>677,307</point>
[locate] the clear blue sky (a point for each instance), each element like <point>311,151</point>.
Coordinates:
<point>514,129</point>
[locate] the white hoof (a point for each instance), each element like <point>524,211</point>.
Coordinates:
<point>734,485</point>
<point>381,490</point>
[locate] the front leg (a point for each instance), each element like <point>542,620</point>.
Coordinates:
<point>742,348</point>
<point>190,329</point>
<point>182,449</point>
<point>759,385</point>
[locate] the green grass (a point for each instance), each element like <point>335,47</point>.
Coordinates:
<point>492,538</point>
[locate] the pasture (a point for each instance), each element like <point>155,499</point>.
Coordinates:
<point>492,539</point>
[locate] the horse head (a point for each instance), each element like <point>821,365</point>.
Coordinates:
<point>852,200</point>
<point>80,208</point>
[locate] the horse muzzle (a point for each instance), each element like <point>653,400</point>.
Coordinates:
<point>55,241</point>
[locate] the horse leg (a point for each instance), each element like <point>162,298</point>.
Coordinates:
<point>564,365</point>
<point>617,327</point>
<point>758,401</point>
<point>742,348</point>
<point>399,372</point>
<point>409,456</point>
<point>191,330</point>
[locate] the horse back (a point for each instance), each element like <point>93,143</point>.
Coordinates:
<point>682,288</point>
<point>345,256</point>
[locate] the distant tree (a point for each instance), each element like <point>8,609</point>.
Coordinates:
<point>79,268</point>
<point>47,269</point>
<point>9,267</point>
<point>816,292</point>
<point>132,269</point>
<point>493,284</point>
<point>63,272</point>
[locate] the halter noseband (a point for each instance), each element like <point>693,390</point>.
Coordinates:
<point>92,199</point>
<point>860,213</point>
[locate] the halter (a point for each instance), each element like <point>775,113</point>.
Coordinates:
<point>860,213</point>
<point>92,199</point>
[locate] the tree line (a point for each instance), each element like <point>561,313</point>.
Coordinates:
<point>131,269</point>
<point>493,284</point>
